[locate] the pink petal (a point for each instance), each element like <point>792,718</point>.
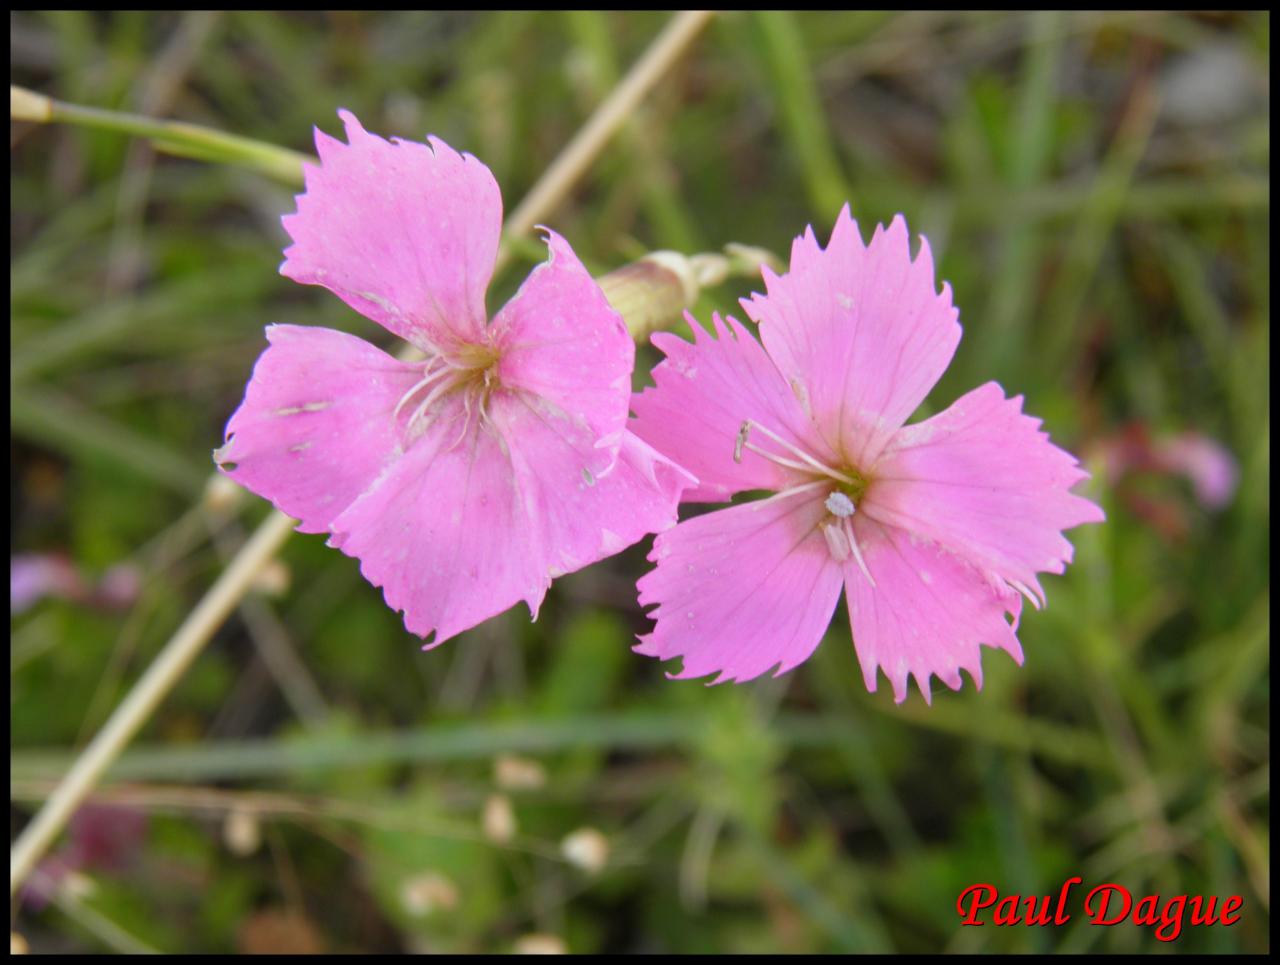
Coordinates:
<point>315,428</point>
<point>561,340</point>
<point>579,505</point>
<point>472,520</point>
<point>927,613</point>
<point>861,329</point>
<point>443,530</point>
<point>703,393</point>
<point>404,233</point>
<point>982,480</point>
<point>742,590</point>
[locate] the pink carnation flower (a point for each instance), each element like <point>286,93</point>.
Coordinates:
<point>1208,464</point>
<point>466,482</point>
<point>933,529</point>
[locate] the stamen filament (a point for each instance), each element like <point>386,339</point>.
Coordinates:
<point>429,375</point>
<point>811,464</point>
<point>846,525</point>
<point>432,397</point>
<point>466,422</point>
<point>798,489</point>
<point>779,460</point>
<point>485,421</point>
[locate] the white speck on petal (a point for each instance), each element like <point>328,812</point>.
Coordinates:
<point>305,407</point>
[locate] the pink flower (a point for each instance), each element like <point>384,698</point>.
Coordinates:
<point>933,529</point>
<point>1208,464</point>
<point>466,482</point>
<point>34,576</point>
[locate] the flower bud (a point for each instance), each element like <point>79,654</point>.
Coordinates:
<point>499,820</point>
<point>652,293</point>
<point>539,944</point>
<point>427,892</point>
<point>242,832</point>
<point>587,849</point>
<point>27,105</point>
<point>273,579</point>
<point>512,773</point>
<point>222,494</point>
<point>76,885</point>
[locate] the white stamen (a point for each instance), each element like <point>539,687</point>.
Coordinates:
<point>466,422</point>
<point>776,459</point>
<point>838,504</point>
<point>485,421</point>
<point>432,397</point>
<point>430,374</point>
<point>811,464</point>
<point>841,540</point>
<point>847,525</point>
<point>802,488</point>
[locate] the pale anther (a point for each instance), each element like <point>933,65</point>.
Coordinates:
<point>742,439</point>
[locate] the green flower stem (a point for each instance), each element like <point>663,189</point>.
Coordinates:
<point>171,137</point>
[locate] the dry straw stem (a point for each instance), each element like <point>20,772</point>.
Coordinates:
<point>157,681</point>
<point>567,169</point>
<point>236,579</point>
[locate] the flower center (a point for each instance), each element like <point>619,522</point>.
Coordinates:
<point>469,369</point>
<point>841,502</point>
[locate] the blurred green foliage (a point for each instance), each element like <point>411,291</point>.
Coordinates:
<point>1095,186</point>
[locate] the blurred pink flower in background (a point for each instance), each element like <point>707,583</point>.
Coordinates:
<point>933,529</point>
<point>1210,467</point>
<point>466,482</point>
<point>1206,463</point>
<point>101,837</point>
<point>34,576</point>
<point>1134,452</point>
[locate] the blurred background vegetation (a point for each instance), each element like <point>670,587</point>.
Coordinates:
<point>1095,187</point>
